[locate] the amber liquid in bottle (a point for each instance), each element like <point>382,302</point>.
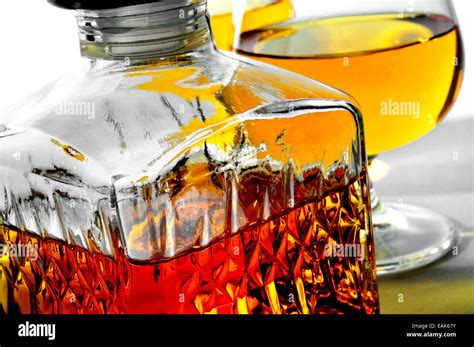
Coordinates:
<point>45,276</point>
<point>282,265</point>
<point>404,70</point>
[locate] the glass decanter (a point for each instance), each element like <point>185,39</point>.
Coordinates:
<point>170,177</point>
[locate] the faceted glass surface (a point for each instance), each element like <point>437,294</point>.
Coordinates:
<point>193,184</point>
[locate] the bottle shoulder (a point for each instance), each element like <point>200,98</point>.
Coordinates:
<point>141,111</point>
<point>117,121</point>
<point>266,84</point>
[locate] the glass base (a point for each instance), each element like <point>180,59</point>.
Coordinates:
<point>409,237</point>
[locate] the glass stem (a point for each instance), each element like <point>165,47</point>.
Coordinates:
<point>375,202</point>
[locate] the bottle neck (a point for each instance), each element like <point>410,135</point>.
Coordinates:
<point>160,29</point>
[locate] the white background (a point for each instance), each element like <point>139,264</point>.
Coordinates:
<point>39,44</point>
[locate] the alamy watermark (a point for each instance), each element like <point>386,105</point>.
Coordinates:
<point>400,108</point>
<point>19,250</point>
<point>28,329</point>
<point>76,108</point>
<point>348,250</point>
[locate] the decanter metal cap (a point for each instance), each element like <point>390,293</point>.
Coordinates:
<point>109,4</point>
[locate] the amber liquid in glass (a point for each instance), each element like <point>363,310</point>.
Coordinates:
<point>281,265</point>
<point>404,70</point>
<point>263,13</point>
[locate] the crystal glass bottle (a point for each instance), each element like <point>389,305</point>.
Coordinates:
<point>173,178</point>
